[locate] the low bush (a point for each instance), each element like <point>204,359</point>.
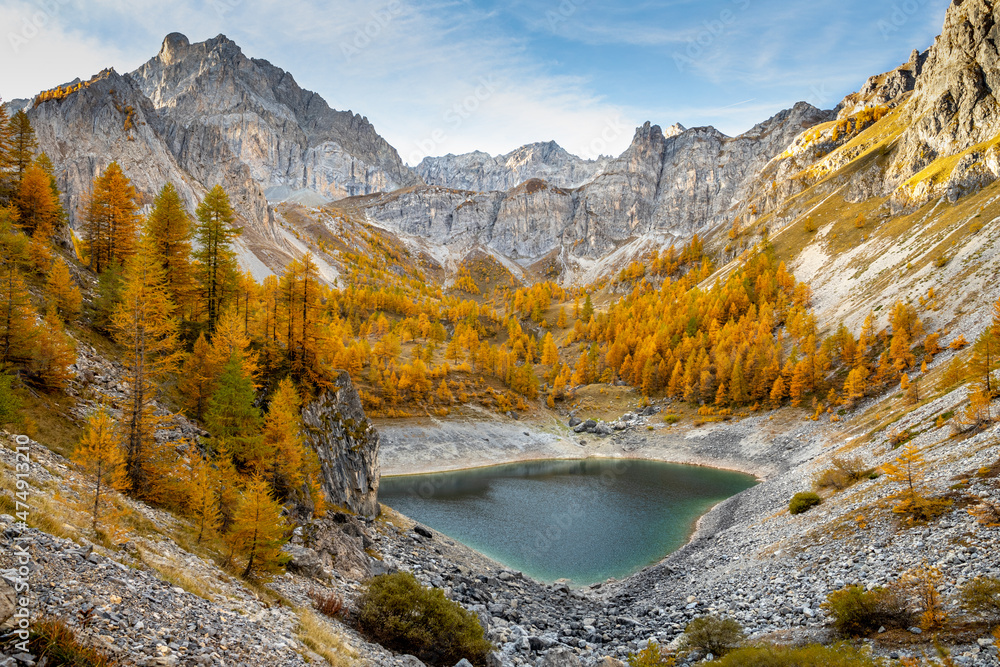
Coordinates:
<point>803,502</point>
<point>857,612</point>
<point>671,419</point>
<point>981,597</point>
<point>54,644</point>
<point>899,438</point>
<point>838,655</point>
<point>845,473</point>
<point>327,603</point>
<point>712,634</point>
<point>651,656</point>
<point>394,610</point>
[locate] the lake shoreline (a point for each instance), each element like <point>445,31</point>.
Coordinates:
<point>711,447</point>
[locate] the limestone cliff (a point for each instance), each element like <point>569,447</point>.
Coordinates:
<point>286,136</point>
<point>348,446</point>
<point>678,183</point>
<point>481,172</point>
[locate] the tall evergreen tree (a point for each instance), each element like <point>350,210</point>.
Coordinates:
<point>7,185</point>
<point>217,267</point>
<point>234,421</point>
<point>169,226</point>
<point>17,315</point>
<point>111,219</point>
<point>23,145</point>
<point>144,324</point>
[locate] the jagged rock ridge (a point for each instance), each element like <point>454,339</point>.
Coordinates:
<point>287,136</point>
<point>677,183</point>
<point>481,172</point>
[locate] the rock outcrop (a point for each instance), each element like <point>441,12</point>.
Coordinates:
<point>348,445</point>
<point>481,172</point>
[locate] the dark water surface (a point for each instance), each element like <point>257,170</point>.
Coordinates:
<point>584,521</point>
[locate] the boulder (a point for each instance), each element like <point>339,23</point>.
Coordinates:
<point>558,657</point>
<point>604,428</point>
<point>8,601</point>
<point>305,561</point>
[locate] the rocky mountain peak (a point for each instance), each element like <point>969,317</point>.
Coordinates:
<point>674,130</point>
<point>174,48</point>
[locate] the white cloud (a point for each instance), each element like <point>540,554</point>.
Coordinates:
<point>40,53</point>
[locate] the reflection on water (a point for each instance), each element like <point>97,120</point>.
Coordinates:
<point>584,521</point>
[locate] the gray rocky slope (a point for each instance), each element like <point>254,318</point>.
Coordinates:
<point>481,172</point>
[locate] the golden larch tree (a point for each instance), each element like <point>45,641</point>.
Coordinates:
<point>198,378</point>
<point>37,204</point>
<point>909,469</point>
<point>144,324</point>
<point>258,531</point>
<point>23,144</point>
<point>111,219</point>
<point>283,439</point>
<point>217,270</point>
<point>170,228</point>
<point>202,498</point>
<point>17,315</point>
<point>100,460</point>
<point>54,354</point>
<point>63,292</point>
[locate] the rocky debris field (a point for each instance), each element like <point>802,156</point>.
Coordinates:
<point>136,616</point>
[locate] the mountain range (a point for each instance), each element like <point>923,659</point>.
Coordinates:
<point>204,114</point>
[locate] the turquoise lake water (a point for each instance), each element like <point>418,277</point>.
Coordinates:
<point>585,521</point>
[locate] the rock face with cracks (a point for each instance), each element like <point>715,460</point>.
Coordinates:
<point>348,447</point>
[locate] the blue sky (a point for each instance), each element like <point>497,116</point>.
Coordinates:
<point>440,76</point>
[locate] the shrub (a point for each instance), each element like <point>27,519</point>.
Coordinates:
<point>857,612</point>
<point>55,644</point>
<point>395,611</point>
<point>651,656</point>
<point>671,419</point>
<point>838,655</point>
<point>803,502</point>
<point>327,603</point>
<point>981,597</point>
<point>714,635</point>
<point>10,402</point>
<point>844,473</point>
<point>898,438</point>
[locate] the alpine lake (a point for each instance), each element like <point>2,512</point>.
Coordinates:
<point>580,521</point>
